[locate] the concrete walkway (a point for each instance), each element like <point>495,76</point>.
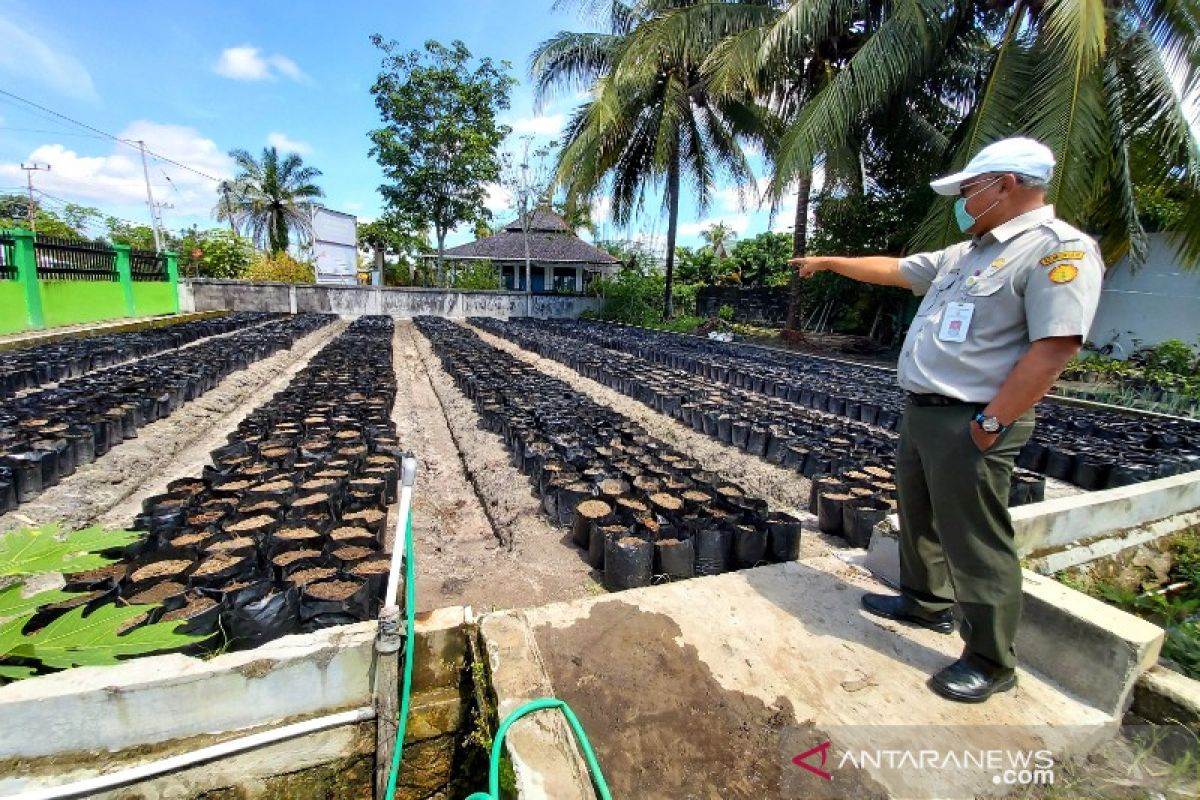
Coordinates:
<point>708,688</point>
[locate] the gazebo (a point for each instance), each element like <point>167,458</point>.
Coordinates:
<point>559,260</point>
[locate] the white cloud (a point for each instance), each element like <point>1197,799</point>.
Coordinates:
<point>499,199</point>
<point>114,182</point>
<point>544,125</point>
<point>739,224</point>
<point>285,144</point>
<point>26,56</point>
<point>247,63</point>
<point>743,197</point>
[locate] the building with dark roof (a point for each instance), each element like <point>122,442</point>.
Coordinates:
<point>559,260</point>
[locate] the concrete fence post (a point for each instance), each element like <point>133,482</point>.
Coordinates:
<point>172,260</point>
<point>125,276</point>
<point>25,261</point>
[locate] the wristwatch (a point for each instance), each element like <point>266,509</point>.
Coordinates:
<point>990,424</point>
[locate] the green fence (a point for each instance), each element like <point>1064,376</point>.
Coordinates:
<point>47,282</point>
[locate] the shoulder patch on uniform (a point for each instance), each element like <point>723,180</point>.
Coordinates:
<point>1063,255</point>
<point>1064,273</point>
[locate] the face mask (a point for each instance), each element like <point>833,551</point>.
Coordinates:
<point>963,217</point>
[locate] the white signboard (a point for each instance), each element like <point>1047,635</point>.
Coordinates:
<point>335,247</point>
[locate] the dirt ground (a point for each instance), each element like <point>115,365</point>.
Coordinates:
<point>723,743</point>
<point>502,555</point>
<point>110,490</point>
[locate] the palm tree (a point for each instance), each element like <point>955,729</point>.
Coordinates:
<point>267,197</point>
<point>718,236</point>
<point>650,121</point>
<point>1091,79</point>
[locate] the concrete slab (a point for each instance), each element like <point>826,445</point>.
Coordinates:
<point>1110,648</point>
<point>710,687</point>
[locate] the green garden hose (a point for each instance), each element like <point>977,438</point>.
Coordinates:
<point>493,793</point>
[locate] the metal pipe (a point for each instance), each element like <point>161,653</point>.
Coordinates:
<point>408,477</point>
<point>162,766</point>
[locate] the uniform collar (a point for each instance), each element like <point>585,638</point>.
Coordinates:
<point>1019,224</point>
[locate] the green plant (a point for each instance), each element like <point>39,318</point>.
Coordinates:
<point>1182,645</point>
<point>476,275</point>
<point>1172,356</point>
<point>725,313</point>
<point>281,267</point>
<point>221,254</point>
<point>77,638</point>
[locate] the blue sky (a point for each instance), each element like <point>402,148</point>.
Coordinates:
<point>194,80</point>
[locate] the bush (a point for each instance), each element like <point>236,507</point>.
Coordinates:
<point>725,313</point>
<point>281,268</point>
<point>476,275</point>
<point>1172,356</point>
<point>223,254</point>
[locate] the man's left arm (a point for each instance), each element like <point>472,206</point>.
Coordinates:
<point>1061,295</point>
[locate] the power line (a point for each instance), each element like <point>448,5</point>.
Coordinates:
<point>108,135</point>
<point>54,132</point>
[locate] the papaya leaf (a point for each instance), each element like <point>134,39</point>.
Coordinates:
<point>10,635</point>
<point>74,640</point>
<point>13,604</point>
<point>13,672</point>
<point>28,551</point>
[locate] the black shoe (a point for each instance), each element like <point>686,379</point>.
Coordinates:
<point>899,607</point>
<point>968,682</point>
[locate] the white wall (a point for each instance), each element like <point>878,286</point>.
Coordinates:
<point>1157,303</point>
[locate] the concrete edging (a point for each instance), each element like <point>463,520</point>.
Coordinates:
<point>163,705</point>
<point>543,739</point>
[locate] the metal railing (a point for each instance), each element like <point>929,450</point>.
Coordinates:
<point>64,259</point>
<point>146,265</point>
<point>8,269</point>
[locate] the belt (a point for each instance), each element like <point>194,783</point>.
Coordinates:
<point>924,400</point>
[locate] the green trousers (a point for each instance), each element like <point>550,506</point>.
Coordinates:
<point>956,537</point>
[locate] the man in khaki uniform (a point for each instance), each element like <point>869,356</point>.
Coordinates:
<point>1002,314</point>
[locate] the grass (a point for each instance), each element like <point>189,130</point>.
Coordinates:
<point>1136,588</point>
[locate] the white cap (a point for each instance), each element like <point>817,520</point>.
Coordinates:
<point>1018,154</point>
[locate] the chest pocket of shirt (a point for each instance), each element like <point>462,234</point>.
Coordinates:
<point>943,282</point>
<point>985,288</point>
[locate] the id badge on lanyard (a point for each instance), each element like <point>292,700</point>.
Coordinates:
<point>956,321</point>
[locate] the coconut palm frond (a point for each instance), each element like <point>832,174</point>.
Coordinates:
<point>569,62</point>
<point>888,61</point>
<point>267,197</point>
<point>1068,112</point>
<point>996,112</point>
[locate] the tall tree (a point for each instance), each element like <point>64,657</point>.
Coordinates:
<point>1089,78</point>
<point>718,237</point>
<point>439,138</point>
<point>527,177</point>
<point>269,197</point>
<point>650,124</point>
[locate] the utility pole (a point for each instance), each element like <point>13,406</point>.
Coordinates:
<point>150,200</point>
<point>31,210</point>
<point>158,209</point>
